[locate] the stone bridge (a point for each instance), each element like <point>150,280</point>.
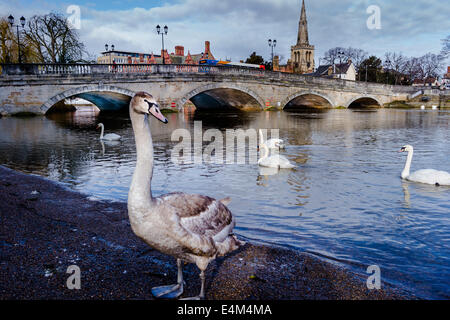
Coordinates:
<point>35,88</point>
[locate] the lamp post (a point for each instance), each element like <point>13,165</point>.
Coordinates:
<point>272,44</point>
<point>340,54</point>
<point>110,52</point>
<point>366,71</point>
<point>158,30</point>
<point>387,62</point>
<point>22,22</point>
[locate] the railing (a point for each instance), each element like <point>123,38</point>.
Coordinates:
<point>87,69</point>
<point>128,70</point>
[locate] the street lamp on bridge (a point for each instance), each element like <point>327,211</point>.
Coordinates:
<point>340,55</point>
<point>22,22</point>
<point>387,62</point>
<point>110,52</point>
<point>158,30</point>
<point>272,44</point>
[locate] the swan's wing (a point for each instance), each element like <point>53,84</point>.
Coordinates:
<point>430,176</point>
<point>285,163</point>
<point>274,143</point>
<point>200,219</point>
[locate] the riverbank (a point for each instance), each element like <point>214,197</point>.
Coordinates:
<point>46,227</point>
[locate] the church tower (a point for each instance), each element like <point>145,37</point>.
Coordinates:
<point>302,54</point>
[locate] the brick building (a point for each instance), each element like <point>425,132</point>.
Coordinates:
<point>177,57</point>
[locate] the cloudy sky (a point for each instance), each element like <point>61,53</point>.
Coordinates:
<point>236,28</point>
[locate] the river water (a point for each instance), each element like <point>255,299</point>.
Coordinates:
<point>344,201</point>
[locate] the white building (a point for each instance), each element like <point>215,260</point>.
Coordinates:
<point>345,71</point>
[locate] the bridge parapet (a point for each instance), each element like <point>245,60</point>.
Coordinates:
<point>49,69</point>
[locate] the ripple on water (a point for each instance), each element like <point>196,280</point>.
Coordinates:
<point>344,200</point>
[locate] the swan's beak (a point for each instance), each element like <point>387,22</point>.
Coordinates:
<point>401,150</point>
<point>153,109</point>
<point>257,148</point>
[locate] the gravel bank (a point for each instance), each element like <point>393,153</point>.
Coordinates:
<point>44,232</point>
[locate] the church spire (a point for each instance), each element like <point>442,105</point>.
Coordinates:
<point>302,38</point>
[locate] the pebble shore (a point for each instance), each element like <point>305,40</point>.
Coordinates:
<point>46,227</point>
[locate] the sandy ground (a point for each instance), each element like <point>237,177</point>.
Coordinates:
<point>44,232</point>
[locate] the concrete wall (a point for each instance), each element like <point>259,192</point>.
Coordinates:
<point>37,93</point>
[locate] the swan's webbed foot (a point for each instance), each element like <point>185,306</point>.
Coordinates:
<point>168,292</point>
<point>193,298</point>
<point>171,291</point>
<point>201,295</point>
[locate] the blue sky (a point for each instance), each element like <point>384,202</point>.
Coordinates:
<point>236,28</point>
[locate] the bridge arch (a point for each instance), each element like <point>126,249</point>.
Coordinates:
<point>364,102</point>
<point>230,94</point>
<point>311,96</point>
<point>96,94</point>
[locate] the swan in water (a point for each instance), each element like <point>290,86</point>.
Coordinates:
<point>190,227</point>
<point>273,161</point>
<point>271,143</point>
<point>109,136</point>
<point>429,176</point>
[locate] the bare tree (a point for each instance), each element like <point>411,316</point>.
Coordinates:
<point>357,56</point>
<point>332,54</point>
<point>395,63</point>
<point>412,69</point>
<point>6,42</point>
<point>53,39</point>
<point>446,47</point>
<point>430,65</point>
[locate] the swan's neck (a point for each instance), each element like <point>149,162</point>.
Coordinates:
<point>266,152</point>
<point>140,194</point>
<point>102,131</point>
<point>261,137</point>
<point>405,172</point>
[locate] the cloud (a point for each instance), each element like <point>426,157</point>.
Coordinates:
<point>236,28</point>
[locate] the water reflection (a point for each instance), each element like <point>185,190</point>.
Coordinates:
<point>344,199</point>
<point>407,196</point>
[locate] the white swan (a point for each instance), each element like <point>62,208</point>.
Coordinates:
<point>271,143</point>
<point>109,136</point>
<point>190,227</point>
<point>429,176</point>
<point>273,161</point>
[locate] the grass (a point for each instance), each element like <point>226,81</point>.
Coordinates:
<point>171,110</point>
<point>399,104</point>
<point>271,109</point>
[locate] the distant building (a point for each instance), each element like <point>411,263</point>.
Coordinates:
<point>418,83</point>
<point>123,57</point>
<point>345,71</point>
<point>427,82</point>
<point>281,68</point>
<point>302,54</point>
<point>177,57</point>
<point>446,79</point>
<point>431,82</point>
